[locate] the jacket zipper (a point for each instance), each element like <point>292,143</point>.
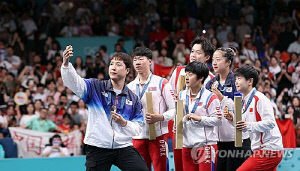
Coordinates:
<point>112,145</point>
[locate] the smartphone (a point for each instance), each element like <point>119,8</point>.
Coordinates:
<point>55,143</point>
<point>113,108</point>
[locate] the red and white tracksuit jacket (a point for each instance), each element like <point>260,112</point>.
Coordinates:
<point>163,103</point>
<point>180,70</point>
<point>226,131</point>
<point>201,133</point>
<point>262,127</point>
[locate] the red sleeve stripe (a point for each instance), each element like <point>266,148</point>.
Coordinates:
<point>178,69</point>
<point>212,98</point>
<point>164,82</point>
<point>257,116</point>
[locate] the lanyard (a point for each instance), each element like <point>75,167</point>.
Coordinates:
<point>249,100</point>
<point>109,101</point>
<point>187,99</point>
<point>144,89</point>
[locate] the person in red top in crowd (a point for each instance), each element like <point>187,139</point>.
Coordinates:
<point>130,28</point>
<point>158,34</point>
<point>62,105</point>
<point>66,125</point>
<point>57,119</point>
<point>186,33</point>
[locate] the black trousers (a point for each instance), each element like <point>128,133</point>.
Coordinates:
<point>101,159</point>
<point>230,158</point>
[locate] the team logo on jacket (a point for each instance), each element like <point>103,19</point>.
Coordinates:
<point>251,109</point>
<point>200,103</point>
<point>228,89</point>
<point>104,94</point>
<point>152,89</point>
<point>128,102</point>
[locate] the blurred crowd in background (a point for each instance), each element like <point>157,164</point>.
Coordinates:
<point>266,34</point>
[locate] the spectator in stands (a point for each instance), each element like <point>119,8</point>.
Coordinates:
<point>248,49</point>
<point>247,11</point>
<point>267,87</point>
<point>163,59</point>
<point>230,41</point>
<point>51,91</point>
<point>295,80</point>
<point>29,27</point>
<point>259,40</point>
<point>222,32</point>
<point>296,108</point>
<point>271,98</point>
<point>215,41</point>
<point>60,85</point>
<point>284,78</point>
<point>62,108</point>
<point>158,34</point>
<point>14,60</point>
<point>242,30</point>
<point>286,37</point>
<point>38,104</point>
<point>49,100</point>
<point>82,110</point>
<point>84,30</point>
<point>52,114</point>
<point>180,52</point>
<point>79,67</point>
<point>130,28</point>
<point>28,116</point>
<point>11,84</point>
<point>105,56</point>
<point>67,124</point>
<point>274,67</point>
<point>70,30</point>
<point>295,46</point>
<point>76,117</point>
<point>17,44</point>
<point>113,28</point>
<point>42,123</point>
<point>26,74</point>
<point>52,47</point>
<point>71,96</point>
<point>55,148</point>
<point>3,126</point>
<point>152,15</point>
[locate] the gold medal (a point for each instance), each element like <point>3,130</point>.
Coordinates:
<point>215,85</point>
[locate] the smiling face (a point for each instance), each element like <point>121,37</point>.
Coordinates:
<point>191,80</point>
<point>198,54</point>
<point>117,70</point>
<point>141,64</point>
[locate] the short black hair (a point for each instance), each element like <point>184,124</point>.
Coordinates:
<point>142,51</point>
<point>248,72</point>
<point>207,47</point>
<point>228,53</point>
<point>198,68</point>
<point>123,57</point>
<point>74,103</point>
<point>104,48</point>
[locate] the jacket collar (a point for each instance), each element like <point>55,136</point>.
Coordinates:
<point>109,87</point>
<point>229,78</point>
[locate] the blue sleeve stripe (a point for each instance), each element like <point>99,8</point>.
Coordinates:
<point>207,100</point>
<point>160,83</point>
<point>180,94</point>
<point>84,96</point>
